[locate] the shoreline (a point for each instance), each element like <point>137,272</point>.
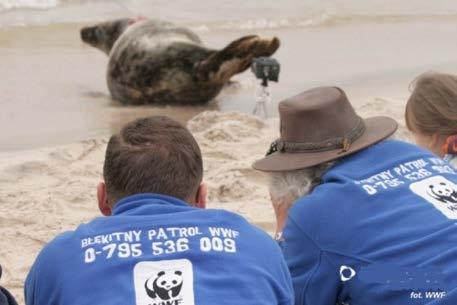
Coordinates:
<point>65,99</point>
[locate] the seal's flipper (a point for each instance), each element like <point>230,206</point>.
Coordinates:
<point>236,57</point>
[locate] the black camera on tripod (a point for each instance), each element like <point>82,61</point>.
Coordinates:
<point>266,69</point>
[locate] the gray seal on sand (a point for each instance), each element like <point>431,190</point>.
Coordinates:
<point>157,62</point>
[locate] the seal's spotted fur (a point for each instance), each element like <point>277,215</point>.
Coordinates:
<point>157,62</point>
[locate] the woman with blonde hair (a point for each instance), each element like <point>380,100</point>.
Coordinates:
<point>431,114</point>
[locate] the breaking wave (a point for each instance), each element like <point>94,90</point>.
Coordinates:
<point>206,15</point>
<point>28,4</point>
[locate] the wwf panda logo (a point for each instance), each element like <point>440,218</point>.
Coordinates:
<point>442,192</point>
<point>165,285</point>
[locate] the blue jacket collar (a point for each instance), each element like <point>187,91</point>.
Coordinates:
<point>135,201</point>
<point>376,155</point>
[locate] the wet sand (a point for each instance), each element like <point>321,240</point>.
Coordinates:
<point>53,88</point>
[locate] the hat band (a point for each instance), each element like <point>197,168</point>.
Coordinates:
<point>343,142</point>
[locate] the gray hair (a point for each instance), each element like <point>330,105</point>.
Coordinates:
<point>291,185</point>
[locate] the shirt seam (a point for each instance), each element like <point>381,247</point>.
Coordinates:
<point>287,302</point>
<point>325,251</point>
<point>305,288</point>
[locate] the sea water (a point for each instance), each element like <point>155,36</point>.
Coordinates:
<point>53,87</point>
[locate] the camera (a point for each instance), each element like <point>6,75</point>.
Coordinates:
<point>266,69</point>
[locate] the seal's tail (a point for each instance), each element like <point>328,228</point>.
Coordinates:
<point>237,57</point>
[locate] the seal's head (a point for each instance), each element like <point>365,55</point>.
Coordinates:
<point>103,35</point>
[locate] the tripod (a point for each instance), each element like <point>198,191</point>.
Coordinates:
<point>262,98</point>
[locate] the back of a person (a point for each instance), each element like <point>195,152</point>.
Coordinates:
<point>158,244</point>
<point>139,255</point>
<point>386,219</point>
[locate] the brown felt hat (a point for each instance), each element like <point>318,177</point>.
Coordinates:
<point>320,125</point>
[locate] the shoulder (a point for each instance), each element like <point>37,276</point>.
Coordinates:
<point>375,158</point>
<point>225,216</point>
<point>49,262</point>
<point>55,249</point>
<point>309,212</point>
<point>229,217</point>
<point>329,214</point>
<point>248,232</point>
<point>45,271</point>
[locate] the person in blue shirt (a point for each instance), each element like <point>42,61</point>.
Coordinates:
<point>374,219</point>
<point>158,245</point>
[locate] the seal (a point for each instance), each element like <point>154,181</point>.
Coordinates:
<point>157,62</point>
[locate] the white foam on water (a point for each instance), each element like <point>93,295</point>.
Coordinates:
<point>34,4</point>
<point>209,15</point>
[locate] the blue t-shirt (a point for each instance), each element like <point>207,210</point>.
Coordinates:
<point>380,229</point>
<point>158,250</point>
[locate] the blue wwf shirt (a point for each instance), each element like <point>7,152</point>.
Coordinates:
<point>380,229</point>
<point>452,159</point>
<point>157,250</point>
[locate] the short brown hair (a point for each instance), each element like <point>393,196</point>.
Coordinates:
<point>432,106</point>
<point>152,155</point>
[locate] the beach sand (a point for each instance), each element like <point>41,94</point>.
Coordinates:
<point>57,113</point>
<point>46,191</point>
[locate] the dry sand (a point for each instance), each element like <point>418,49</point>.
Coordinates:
<point>46,191</point>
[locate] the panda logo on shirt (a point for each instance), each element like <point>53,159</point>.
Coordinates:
<point>165,285</point>
<point>442,192</point>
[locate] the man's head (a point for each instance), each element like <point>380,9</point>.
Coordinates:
<point>317,128</point>
<point>286,187</point>
<point>152,155</point>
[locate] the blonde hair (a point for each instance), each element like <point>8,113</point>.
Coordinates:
<point>432,106</point>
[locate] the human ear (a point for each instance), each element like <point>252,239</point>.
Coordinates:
<point>102,198</point>
<point>200,200</point>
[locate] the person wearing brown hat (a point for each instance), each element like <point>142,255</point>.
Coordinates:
<point>373,220</point>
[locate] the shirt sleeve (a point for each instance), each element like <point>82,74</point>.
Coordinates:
<point>315,279</point>
<point>283,292</point>
<point>36,291</point>
<point>288,297</point>
<point>40,284</point>
<point>29,287</point>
